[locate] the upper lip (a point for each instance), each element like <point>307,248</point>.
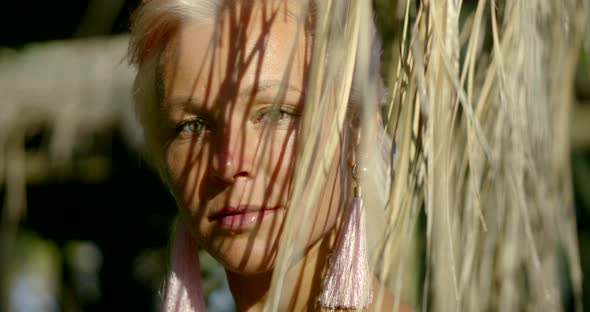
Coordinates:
<point>236,210</point>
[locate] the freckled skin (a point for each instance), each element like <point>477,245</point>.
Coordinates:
<point>229,76</point>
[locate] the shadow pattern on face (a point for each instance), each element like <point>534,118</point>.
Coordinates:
<point>255,48</point>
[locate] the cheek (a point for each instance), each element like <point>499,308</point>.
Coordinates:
<point>278,162</point>
<point>324,215</point>
<point>185,166</point>
<point>323,218</point>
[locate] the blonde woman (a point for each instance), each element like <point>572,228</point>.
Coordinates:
<point>221,93</point>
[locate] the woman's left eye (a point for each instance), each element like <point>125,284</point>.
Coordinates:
<point>277,114</point>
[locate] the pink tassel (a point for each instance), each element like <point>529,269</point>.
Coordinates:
<point>183,292</point>
<point>348,283</point>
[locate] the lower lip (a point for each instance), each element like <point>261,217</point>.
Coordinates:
<point>244,220</point>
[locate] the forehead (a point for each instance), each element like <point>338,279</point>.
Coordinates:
<point>248,45</point>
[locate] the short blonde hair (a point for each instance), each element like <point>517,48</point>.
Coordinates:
<point>154,24</point>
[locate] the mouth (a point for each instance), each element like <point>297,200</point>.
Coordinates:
<point>241,217</point>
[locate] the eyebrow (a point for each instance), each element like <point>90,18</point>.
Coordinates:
<point>191,102</point>
<point>263,85</point>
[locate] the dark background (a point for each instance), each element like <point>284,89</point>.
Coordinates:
<point>125,215</point>
<point>22,22</point>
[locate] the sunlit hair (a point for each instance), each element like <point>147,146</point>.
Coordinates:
<point>154,24</point>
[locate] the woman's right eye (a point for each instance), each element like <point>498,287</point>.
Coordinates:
<point>191,126</point>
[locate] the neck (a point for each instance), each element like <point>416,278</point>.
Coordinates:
<point>300,290</point>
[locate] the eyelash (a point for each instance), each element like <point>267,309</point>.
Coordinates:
<point>184,125</point>
<point>282,110</point>
<point>198,125</point>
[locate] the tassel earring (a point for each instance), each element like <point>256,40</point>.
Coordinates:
<point>348,283</point>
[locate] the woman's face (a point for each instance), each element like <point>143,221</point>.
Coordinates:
<point>229,152</point>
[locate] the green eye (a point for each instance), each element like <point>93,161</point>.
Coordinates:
<point>277,114</point>
<point>191,126</point>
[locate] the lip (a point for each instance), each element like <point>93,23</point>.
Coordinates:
<point>241,217</point>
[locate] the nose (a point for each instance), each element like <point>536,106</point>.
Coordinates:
<point>233,155</point>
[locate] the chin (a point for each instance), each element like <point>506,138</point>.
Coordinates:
<point>245,249</point>
<point>244,255</point>
<point>250,268</point>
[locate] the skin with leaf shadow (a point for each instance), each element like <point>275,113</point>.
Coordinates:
<point>229,152</point>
